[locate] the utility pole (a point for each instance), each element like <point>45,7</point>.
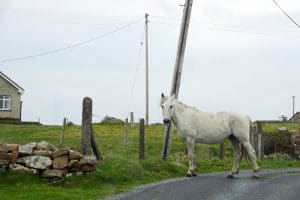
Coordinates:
<point>147,69</point>
<point>178,69</point>
<point>293,109</point>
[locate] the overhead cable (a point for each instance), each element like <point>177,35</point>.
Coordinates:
<point>72,45</point>
<point>226,29</point>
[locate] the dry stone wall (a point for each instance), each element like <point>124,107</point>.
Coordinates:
<point>297,144</point>
<point>45,159</point>
<point>282,140</point>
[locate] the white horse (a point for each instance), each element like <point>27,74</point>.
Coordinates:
<point>208,128</point>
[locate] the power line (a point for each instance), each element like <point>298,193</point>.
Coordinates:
<point>135,75</point>
<point>39,12</point>
<point>222,29</point>
<point>217,24</point>
<point>286,14</point>
<point>248,27</point>
<point>73,45</point>
<point>64,22</point>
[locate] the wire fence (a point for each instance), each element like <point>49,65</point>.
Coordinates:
<point>275,137</point>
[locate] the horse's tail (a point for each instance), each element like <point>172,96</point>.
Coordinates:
<point>244,153</point>
<point>251,137</point>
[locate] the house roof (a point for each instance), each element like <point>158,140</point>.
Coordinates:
<point>18,87</point>
<point>297,114</point>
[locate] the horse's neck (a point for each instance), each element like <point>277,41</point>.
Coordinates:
<point>178,110</point>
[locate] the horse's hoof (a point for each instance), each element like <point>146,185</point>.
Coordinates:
<point>255,176</point>
<point>194,174</point>
<point>229,176</point>
<point>188,175</point>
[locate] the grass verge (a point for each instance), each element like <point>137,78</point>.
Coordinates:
<point>121,170</point>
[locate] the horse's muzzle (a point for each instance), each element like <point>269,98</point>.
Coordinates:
<point>166,121</point>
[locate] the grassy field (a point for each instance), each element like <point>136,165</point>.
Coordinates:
<point>121,170</point>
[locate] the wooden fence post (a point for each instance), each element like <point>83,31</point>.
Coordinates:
<point>260,146</point>
<point>293,143</point>
<point>126,132</point>
<point>259,150</point>
<point>95,147</point>
<point>222,150</point>
<point>62,137</point>
<point>131,120</point>
<point>142,139</point>
<point>86,126</point>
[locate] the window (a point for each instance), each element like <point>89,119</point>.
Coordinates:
<point>4,102</point>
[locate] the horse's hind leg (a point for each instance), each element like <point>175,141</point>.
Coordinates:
<point>191,155</point>
<point>251,154</point>
<point>237,156</point>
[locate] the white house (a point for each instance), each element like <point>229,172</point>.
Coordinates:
<point>10,98</point>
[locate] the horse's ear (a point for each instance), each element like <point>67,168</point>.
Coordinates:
<point>162,95</point>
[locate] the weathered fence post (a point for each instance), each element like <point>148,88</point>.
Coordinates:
<point>62,137</point>
<point>126,132</point>
<point>222,150</point>
<point>142,139</point>
<point>131,120</point>
<point>293,143</point>
<point>86,126</point>
<point>260,148</point>
<point>95,147</point>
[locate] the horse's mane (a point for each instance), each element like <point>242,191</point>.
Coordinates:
<point>186,106</point>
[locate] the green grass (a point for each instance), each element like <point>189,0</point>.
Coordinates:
<point>273,127</point>
<point>121,170</point>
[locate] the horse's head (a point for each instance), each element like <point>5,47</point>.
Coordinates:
<point>167,108</point>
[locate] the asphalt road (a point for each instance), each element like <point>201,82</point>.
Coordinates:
<point>272,185</point>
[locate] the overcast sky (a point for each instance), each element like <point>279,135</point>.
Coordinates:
<point>241,55</point>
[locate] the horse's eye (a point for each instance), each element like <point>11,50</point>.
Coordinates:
<point>171,106</point>
<point>162,106</point>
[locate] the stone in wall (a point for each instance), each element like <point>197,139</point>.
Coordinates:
<point>37,162</point>
<point>14,156</point>
<point>61,152</point>
<point>17,167</point>
<point>8,147</point>
<point>3,165</point>
<point>27,149</point>
<point>60,162</point>
<point>5,156</point>
<point>51,173</point>
<point>74,155</point>
<point>74,163</point>
<point>83,168</point>
<point>90,160</point>
<point>43,153</point>
<point>11,157</point>
<point>43,145</point>
<point>12,147</point>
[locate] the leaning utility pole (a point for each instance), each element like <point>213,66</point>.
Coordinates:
<point>147,69</point>
<point>178,69</point>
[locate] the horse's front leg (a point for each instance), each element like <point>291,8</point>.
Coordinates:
<point>190,142</point>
